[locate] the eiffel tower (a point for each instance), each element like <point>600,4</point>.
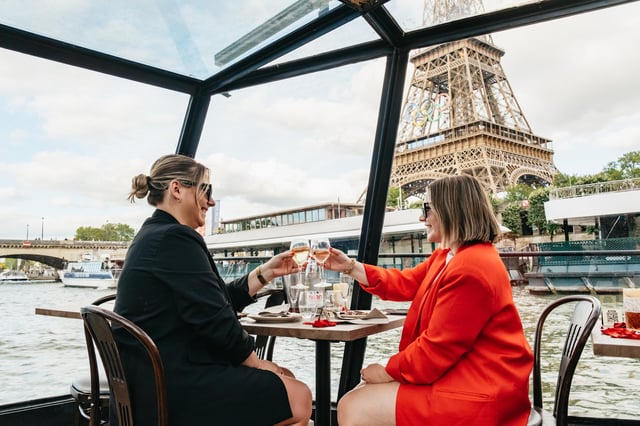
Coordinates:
<point>461,117</point>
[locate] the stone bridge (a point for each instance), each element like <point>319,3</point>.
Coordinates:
<point>57,253</point>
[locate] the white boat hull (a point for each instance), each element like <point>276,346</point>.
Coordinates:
<point>89,275</point>
<point>89,282</point>
<point>13,277</point>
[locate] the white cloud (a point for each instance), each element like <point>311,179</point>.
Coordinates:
<point>72,139</point>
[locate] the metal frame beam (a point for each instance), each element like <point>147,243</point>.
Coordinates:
<point>375,204</point>
<point>504,19</point>
<point>335,58</point>
<point>70,54</point>
<point>311,31</point>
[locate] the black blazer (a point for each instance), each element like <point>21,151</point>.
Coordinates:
<point>171,288</point>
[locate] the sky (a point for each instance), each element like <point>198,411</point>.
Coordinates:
<point>71,140</point>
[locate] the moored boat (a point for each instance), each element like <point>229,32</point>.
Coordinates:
<point>91,274</point>
<point>12,276</point>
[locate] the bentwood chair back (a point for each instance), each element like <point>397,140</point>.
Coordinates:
<point>264,345</point>
<point>81,386</point>
<point>98,323</point>
<point>584,317</point>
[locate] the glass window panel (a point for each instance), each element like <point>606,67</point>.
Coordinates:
<point>415,14</point>
<point>305,141</point>
<point>352,33</point>
<point>76,139</point>
<point>187,37</point>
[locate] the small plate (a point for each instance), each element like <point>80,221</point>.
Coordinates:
<point>292,317</point>
<point>352,314</point>
<point>396,311</point>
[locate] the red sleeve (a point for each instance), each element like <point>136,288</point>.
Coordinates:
<point>394,284</point>
<point>464,304</point>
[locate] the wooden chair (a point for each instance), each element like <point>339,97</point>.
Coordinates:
<point>584,317</point>
<point>98,322</point>
<point>264,345</point>
<point>81,386</point>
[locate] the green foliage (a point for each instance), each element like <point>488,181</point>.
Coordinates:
<point>495,203</point>
<point>511,217</point>
<point>535,212</point>
<point>562,180</point>
<point>393,196</point>
<point>107,232</point>
<point>627,167</point>
<point>518,192</point>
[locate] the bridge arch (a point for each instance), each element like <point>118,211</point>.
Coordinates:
<point>58,253</point>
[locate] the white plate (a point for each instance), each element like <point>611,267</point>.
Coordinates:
<point>353,315</point>
<point>292,317</point>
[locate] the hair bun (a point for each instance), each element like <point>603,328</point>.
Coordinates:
<point>139,186</point>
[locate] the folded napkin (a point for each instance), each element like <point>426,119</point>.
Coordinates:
<point>620,330</point>
<point>375,313</point>
<point>275,311</point>
<point>372,314</point>
<point>320,323</point>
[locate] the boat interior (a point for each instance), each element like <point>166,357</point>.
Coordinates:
<point>198,56</point>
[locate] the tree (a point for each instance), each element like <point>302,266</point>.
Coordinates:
<point>88,233</point>
<point>393,196</point>
<point>511,217</point>
<point>626,167</point>
<point>107,232</point>
<point>535,213</point>
<point>518,192</point>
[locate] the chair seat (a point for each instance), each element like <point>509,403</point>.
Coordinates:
<point>82,386</point>
<point>540,417</point>
<point>80,391</point>
<point>535,418</point>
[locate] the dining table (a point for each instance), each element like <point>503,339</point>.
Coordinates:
<point>323,337</point>
<point>346,331</point>
<point>606,345</point>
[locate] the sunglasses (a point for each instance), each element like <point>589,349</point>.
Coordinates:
<point>206,188</point>
<point>426,208</point>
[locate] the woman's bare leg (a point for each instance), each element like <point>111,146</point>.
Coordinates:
<point>300,401</point>
<point>369,405</point>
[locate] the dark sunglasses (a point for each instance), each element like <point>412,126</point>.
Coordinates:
<point>426,208</point>
<point>204,187</point>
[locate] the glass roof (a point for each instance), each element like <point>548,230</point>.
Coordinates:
<point>195,38</point>
<point>198,38</point>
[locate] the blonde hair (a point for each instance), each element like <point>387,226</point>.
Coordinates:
<point>465,212</point>
<point>163,171</point>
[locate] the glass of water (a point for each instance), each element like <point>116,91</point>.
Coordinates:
<point>309,302</point>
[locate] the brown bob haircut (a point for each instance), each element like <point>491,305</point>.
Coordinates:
<point>465,213</point>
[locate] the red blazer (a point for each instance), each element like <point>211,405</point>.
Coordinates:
<point>463,358</point>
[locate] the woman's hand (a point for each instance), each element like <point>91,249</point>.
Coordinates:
<point>375,373</point>
<point>272,366</point>
<point>337,260</point>
<point>279,265</point>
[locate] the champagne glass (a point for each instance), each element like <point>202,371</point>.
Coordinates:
<point>300,249</point>
<point>320,252</point>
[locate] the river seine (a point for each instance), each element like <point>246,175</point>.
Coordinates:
<point>40,355</point>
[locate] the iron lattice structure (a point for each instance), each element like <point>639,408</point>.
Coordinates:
<point>461,116</point>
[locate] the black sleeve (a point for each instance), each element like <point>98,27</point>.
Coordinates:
<point>200,295</point>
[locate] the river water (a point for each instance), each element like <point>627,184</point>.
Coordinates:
<point>39,355</point>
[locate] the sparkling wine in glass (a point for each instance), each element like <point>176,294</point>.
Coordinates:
<point>300,248</point>
<point>320,252</point>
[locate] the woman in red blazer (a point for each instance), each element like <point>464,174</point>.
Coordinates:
<point>463,358</point>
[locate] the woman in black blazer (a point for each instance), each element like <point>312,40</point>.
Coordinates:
<point>171,288</point>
